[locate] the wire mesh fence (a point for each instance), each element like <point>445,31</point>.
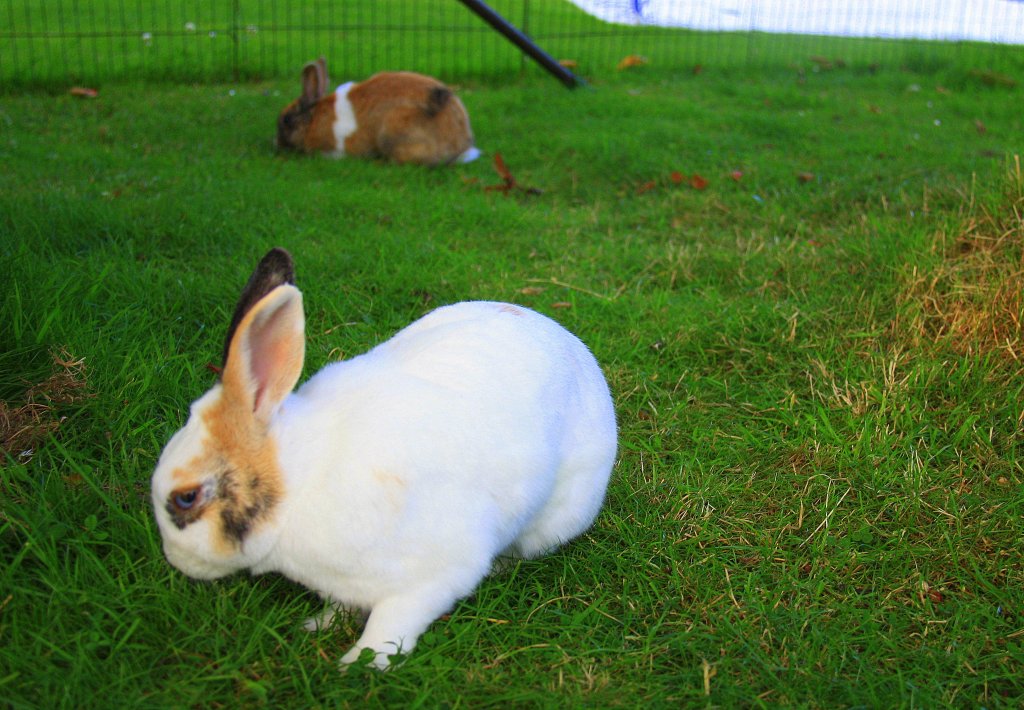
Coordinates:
<point>47,42</point>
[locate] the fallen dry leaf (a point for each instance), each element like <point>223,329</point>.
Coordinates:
<point>646,187</point>
<point>503,172</point>
<point>561,304</point>
<point>532,290</point>
<point>698,182</point>
<point>631,60</point>
<point>84,92</point>
<point>568,63</point>
<point>804,177</point>
<point>980,127</point>
<point>508,182</point>
<point>676,177</point>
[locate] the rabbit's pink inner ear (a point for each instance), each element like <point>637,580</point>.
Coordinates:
<point>277,348</point>
<point>265,357</point>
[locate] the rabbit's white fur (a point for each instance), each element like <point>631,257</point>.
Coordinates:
<point>345,123</point>
<point>395,478</point>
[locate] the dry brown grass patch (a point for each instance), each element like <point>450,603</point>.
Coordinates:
<point>26,423</point>
<point>973,298</point>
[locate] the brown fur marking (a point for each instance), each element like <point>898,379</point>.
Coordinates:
<point>309,130</point>
<point>249,481</point>
<point>401,116</point>
<point>437,99</point>
<point>320,134</point>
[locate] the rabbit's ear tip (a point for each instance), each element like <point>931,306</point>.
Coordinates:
<point>279,255</point>
<point>277,266</point>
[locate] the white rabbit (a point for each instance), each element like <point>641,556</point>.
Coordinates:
<point>389,482</point>
<point>401,116</point>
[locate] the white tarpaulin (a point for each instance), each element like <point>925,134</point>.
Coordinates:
<point>981,20</point>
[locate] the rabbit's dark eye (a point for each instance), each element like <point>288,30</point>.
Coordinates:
<point>183,500</point>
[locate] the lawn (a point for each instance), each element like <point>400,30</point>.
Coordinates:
<point>804,286</point>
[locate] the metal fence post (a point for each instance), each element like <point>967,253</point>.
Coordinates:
<point>525,44</point>
<point>234,39</point>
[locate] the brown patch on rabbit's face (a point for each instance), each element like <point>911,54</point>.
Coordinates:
<point>292,125</point>
<point>307,128</point>
<point>249,481</point>
<point>235,484</point>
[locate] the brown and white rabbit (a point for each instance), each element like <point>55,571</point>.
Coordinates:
<point>400,116</point>
<point>389,482</point>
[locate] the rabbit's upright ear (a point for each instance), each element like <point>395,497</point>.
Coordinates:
<point>314,82</point>
<point>265,346</point>
<point>321,64</point>
<point>275,268</point>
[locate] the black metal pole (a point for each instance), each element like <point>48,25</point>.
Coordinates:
<point>524,43</point>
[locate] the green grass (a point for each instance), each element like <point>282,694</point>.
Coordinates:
<point>818,501</point>
<point>61,43</point>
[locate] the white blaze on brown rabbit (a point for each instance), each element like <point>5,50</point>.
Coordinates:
<point>392,481</point>
<point>399,116</point>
